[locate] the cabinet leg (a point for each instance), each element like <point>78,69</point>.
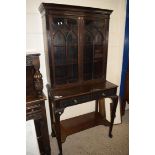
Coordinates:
<point>44,132</point>
<point>44,143</point>
<point>53,133</point>
<point>114,102</point>
<point>96,106</point>
<point>58,131</point>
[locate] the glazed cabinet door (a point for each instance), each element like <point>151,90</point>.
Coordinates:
<point>64,49</point>
<point>94,53</point>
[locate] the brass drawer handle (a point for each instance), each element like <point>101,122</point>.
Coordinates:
<point>75,101</point>
<point>103,94</point>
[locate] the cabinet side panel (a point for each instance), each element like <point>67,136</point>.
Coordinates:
<point>106,48</point>
<point>45,26</point>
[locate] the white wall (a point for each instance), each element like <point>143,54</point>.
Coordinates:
<point>34,42</point>
<point>32,147</point>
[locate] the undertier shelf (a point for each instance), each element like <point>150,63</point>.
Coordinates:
<point>80,123</point>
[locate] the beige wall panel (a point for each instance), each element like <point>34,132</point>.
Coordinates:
<point>34,23</point>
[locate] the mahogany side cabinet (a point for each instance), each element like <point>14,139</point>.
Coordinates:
<point>76,48</point>
<point>35,102</point>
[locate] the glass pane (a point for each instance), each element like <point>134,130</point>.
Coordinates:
<point>98,39</point>
<point>88,38</point>
<point>98,51</point>
<point>71,38</point>
<point>88,53</point>
<point>88,70</point>
<point>60,74</point>
<point>72,54</point>
<point>93,49</point>
<point>97,69</point>
<point>64,24</point>
<point>72,73</point>
<point>65,39</point>
<point>59,55</point>
<point>72,48</point>
<point>59,24</point>
<point>60,21</point>
<point>95,25</point>
<point>59,39</point>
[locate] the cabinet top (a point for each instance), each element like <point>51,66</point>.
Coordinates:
<point>32,54</point>
<point>51,6</point>
<point>30,59</point>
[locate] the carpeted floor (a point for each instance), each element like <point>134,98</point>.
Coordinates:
<point>95,141</point>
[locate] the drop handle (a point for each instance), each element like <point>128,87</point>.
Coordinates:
<point>103,94</point>
<point>75,101</point>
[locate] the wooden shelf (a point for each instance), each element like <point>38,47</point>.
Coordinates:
<point>80,123</point>
<point>31,98</point>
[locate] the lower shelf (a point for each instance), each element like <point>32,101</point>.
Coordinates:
<point>80,123</point>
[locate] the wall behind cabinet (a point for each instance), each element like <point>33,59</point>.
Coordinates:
<point>34,42</point>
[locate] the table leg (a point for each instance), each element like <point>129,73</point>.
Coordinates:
<point>53,133</point>
<point>114,106</point>
<point>44,130</point>
<point>46,143</point>
<point>96,106</point>
<point>58,131</point>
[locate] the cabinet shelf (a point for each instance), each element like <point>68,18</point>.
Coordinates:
<point>80,123</point>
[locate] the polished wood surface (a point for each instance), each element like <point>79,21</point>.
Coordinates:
<point>32,98</point>
<point>80,123</point>
<point>88,33</point>
<point>83,89</point>
<point>35,102</point>
<point>76,49</point>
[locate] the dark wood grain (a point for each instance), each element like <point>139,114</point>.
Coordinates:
<point>35,102</point>
<point>44,7</point>
<point>76,49</point>
<point>48,11</point>
<point>80,123</point>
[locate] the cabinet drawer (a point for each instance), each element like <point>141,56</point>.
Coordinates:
<point>74,101</point>
<point>33,111</point>
<point>103,93</point>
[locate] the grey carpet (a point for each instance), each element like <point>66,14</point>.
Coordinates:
<point>95,141</point>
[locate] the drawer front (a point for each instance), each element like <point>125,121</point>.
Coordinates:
<point>33,111</point>
<point>103,93</point>
<point>73,101</point>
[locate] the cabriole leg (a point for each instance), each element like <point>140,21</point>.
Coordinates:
<point>114,106</point>
<point>58,131</point>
